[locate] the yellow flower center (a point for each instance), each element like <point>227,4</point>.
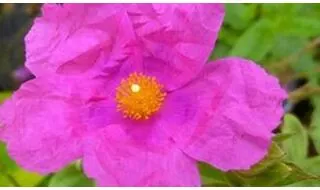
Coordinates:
<point>139,96</point>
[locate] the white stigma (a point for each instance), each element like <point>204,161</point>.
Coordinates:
<point>135,88</point>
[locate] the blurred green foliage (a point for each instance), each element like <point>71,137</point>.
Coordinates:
<point>284,39</point>
<point>71,176</point>
<point>15,21</point>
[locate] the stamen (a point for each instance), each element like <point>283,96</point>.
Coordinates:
<point>139,96</point>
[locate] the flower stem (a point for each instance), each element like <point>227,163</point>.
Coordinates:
<point>9,177</point>
<point>303,92</point>
<point>12,180</point>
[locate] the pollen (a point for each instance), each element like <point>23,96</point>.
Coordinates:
<point>139,96</point>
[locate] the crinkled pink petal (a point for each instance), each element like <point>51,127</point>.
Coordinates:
<point>226,116</point>
<point>72,38</point>
<point>101,111</point>
<point>78,39</point>
<point>222,113</point>
<point>6,116</point>
<point>176,39</point>
<point>43,129</point>
<point>114,158</point>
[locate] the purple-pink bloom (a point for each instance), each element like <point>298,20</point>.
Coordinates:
<point>94,97</point>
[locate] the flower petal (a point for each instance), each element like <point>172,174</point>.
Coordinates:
<point>74,38</point>
<point>101,111</point>
<point>176,39</point>
<point>43,128</point>
<point>227,115</point>
<point>114,158</point>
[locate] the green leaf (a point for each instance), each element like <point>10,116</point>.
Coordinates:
<point>12,175</point>
<point>44,181</point>
<point>301,26</point>
<point>282,137</point>
<point>310,10</point>
<point>26,178</point>
<point>261,174</point>
<point>306,183</point>
<point>291,19</point>
<point>285,11</point>
<point>312,165</point>
<point>4,95</point>
<point>6,163</point>
<point>211,176</point>
<point>221,50</point>
<point>305,63</point>
<point>286,46</point>
<point>239,16</point>
<point>297,146</point>
<point>273,170</point>
<point>315,123</point>
<point>278,174</point>
<point>228,37</point>
<point>19,177</point>
<point>236,180</point>
<point>4,182</point>
<point>296,174</point>
<point>273,175</point>
<point>255,42</point>
<point>70,177</point>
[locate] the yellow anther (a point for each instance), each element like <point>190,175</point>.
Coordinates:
<point>139,96</point>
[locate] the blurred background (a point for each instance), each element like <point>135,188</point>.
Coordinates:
<point>282,38</point>
<point>15,21</point>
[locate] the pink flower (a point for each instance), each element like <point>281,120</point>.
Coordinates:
<point>126,88</point>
